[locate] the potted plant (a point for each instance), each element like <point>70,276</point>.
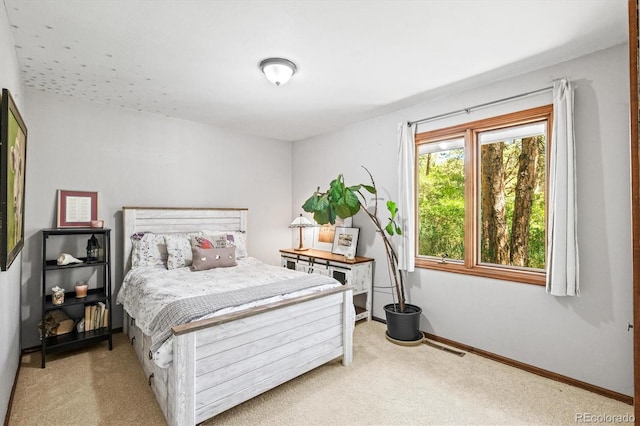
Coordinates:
<point>340,200</point>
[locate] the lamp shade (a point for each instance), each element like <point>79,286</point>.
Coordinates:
<point>301,222</point>
<point>278,70</point>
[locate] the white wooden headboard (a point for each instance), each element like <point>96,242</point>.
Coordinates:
<point>179,219</point>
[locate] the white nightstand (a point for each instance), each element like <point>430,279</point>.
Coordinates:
<point>357,273</point>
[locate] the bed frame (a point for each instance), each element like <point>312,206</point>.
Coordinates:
<point>223,361</point>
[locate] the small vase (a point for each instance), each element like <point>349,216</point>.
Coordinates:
<point>81,289</point>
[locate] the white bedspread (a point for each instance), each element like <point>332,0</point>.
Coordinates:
<point>146,290</point>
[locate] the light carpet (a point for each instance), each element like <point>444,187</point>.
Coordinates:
<point>386,385</point>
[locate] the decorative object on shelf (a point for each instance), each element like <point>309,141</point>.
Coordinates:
<point>301,222</point>
<point>57,295</point>
<point>66,259</point>
<point>97,223</point>
<point>93,249</point>
<point>345,201</point>
<point>77,208</point>
<point>80,326</point>
<point>56,322</point>
<point>278,70</point>
<point>345,241</point>
<point>81,289</point>
<point>13,152</point>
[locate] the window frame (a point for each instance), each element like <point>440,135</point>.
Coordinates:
<point>471,264</point>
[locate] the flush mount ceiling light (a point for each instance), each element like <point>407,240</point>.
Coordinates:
<point>278,70</point>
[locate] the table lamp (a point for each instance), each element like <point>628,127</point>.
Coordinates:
<point>301,222</point>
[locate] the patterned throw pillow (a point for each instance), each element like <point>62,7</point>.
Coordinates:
<point>237,239</point>
<point>209,253</point>
<point>179,250</point>
<point>148,249</point>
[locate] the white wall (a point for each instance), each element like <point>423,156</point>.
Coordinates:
<point>140,159</point>
<point>9,280</point>
<point>584,338</point>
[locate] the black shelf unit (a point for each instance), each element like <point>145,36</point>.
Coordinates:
<point>102,293</point>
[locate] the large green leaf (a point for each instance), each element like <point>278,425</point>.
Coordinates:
<point>343,210</point>
<point>352,202</point>
<point>393,209</point>
<point>311,204</point>
<point>370,188</point>
<point>332,216</point>
<point>389,228</point>
<point>321,216</point>
<point>322,203</point>
<point>336,188</point>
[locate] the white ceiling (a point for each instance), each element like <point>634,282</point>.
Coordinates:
<point>198,60</point>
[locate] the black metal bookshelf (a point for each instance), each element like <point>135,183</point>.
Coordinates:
<point>101,293</point>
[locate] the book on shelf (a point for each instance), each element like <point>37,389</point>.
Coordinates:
<point>96,316</point>
<point>99,314</point>
<point>105,317</point>
<point>94,312</point>
<point>87,318</point>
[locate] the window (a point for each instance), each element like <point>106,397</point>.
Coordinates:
<point>481,197</point>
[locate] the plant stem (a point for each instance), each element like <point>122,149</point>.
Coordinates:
<point>392,256</point>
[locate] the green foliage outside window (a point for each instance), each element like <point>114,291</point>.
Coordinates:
<point>441,203</point>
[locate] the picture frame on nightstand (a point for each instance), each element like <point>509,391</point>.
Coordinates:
<point>345,241</point>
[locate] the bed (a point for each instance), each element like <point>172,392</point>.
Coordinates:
<point>222,359</point>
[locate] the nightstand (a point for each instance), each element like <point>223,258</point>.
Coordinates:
<point>358,273</point>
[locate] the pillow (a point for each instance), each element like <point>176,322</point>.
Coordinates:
<point>178,250</point>
<point>208,254</point>
<point>239,239</point>
<point>236,238</point>
<point>148,249</point>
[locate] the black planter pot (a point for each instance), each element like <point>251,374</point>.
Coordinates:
<point>403,326</point>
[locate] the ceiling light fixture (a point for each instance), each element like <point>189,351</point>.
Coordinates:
<point>278,70</point>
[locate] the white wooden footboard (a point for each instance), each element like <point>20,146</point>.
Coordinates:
<point>222,362</point>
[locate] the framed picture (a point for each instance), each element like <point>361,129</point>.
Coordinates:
<point>345,241</point>
<point>323,235</point>
<point>13,137</point>
<point>77,208</point>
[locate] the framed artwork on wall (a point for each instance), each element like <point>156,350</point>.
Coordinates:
<point>77,208</point>
<point>323,235</point>
<point>13,152</point>
<point>345,241</point>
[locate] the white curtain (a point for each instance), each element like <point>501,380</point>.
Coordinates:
<point>562,239</point>
<point>406,196</point>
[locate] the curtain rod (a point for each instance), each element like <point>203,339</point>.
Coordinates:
<point>469,109</point>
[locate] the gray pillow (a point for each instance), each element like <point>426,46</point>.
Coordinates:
<point>207,256</point>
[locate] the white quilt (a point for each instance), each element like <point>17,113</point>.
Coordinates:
<point>146,290</point>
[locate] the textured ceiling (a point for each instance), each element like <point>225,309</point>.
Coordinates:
<point>198,60</point>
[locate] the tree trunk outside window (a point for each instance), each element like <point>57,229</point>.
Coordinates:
<point>495,244</point>
<point>525,187</point>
